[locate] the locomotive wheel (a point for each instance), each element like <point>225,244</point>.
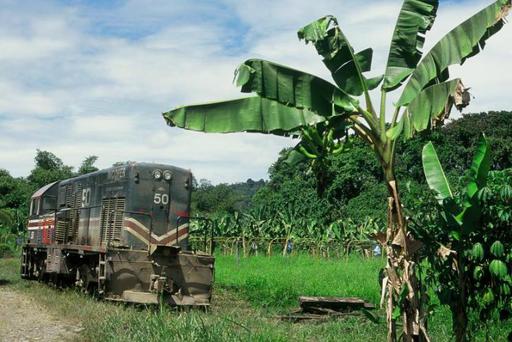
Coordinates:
<point>40,269</point>
<point>86,279</point>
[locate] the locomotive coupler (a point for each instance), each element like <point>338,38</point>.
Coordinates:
<point>158,283</point>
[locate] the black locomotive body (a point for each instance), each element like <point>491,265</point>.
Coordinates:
<point>121,232</point>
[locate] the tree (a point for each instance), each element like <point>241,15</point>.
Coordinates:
<point>88,165</point>
<point>291,102</point>
<point>14,192</point>
<point>214,199</point>
<point>49,168</point>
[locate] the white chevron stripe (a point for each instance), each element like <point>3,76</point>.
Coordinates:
<point>153,235</point>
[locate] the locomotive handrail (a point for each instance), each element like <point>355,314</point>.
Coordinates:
<point>201,218</point>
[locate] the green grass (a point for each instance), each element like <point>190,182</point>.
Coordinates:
<point>248,295</point>
<point>278,281</point>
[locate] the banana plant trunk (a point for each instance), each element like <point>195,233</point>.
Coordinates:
<point>269,248</point>
<point>402,289</point>
<point>285,247</point>
<point>460,317</point>
<point>244,246</point>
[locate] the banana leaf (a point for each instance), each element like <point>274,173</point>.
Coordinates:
<point>481,162</point>
<point>431,106</point>
<point>293,87</point>
<point>478,172</point>
<point>415,19</point>
<point>434,173</point>
<point>251,114</point>
<point>346,67</point>
<point>434,103</point>
<point>480,167</point>
<point>463,42</point>
<point>394,132</point>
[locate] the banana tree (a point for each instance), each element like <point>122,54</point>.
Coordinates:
<point>290,102</point>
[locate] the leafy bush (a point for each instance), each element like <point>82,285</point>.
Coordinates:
<point>468,241</point>
<point>8,234</point>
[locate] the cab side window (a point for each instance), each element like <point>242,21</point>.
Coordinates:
<point>34,207</point>
<point>49,204</point>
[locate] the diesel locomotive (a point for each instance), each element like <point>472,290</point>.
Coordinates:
<point>121,233</point>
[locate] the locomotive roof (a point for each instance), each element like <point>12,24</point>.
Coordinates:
<point>42,190</point>
<point>140,165</point>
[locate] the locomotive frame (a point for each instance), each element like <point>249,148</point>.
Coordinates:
<point>122,233</point>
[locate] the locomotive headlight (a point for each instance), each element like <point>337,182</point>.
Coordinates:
<point>167,175</point>
<point>157,174</point>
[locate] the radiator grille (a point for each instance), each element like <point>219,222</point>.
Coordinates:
<point>75,212</point>
<point>112,213</point>
<point>60,230</point>
<point>70,198</point>
<point>69,195</point>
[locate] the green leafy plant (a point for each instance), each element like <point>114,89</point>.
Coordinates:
<point>291,102</point>
<point>8,234</point>
<point>469,242</point>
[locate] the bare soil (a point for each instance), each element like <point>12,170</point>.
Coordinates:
<point>22,319</point>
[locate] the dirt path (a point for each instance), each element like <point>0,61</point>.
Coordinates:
<point>22,319</point>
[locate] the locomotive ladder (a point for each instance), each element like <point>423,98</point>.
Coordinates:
<point>25,264</point>
<point>102,273</point>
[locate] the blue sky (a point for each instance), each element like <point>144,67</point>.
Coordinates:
<point>92,77</point>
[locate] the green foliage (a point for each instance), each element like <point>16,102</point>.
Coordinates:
<point>354,195</point>
<point>293,195</point>
<point>473,226</point>
<point>48,169</point>
<point>215,200</point>
<point>414,20</point>
<point>464,41</point>
<point>429,106</point>
<point>455,143</point>
<point>14,192</point>
<point>87,165</point>
<point>8,241</point>
<point>287,86</point>
<point>370,203</point>
<point>354,178</point>
<point>434,174</point>
<point>250,114</point>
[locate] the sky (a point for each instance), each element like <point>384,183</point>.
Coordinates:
<point>81,78</point>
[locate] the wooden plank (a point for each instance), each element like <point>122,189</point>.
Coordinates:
<point>328,304</point>
<point>296,317</point>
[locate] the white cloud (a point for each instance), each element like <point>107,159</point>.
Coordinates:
<point>81,79</point>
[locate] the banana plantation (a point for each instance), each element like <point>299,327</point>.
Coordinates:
<point>249,234</point>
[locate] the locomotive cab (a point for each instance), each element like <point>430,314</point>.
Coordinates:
<point>41,223</point>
